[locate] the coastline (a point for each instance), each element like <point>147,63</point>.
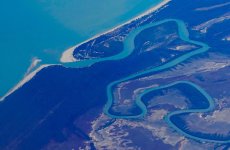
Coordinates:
<point>67,55</point>
<point>24,80</point>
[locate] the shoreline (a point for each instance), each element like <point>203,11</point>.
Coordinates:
<point>26,79</point>
<point>67,55</point>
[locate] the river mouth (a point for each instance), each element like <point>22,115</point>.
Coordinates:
<point>43,30</point>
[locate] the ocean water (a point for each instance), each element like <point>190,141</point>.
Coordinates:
<point>44,29</point>
<point>57,97</point>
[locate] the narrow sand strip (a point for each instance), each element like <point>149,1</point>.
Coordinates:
<point>24,80</point>
<point>35,62</point>
<point>67,56</point>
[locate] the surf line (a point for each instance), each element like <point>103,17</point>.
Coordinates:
<point>129,47</point>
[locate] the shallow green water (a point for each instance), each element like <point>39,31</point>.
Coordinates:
<point>44,29</point>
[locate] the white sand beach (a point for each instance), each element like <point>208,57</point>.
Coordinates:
<point>67,56</point>
<point>24,80</point>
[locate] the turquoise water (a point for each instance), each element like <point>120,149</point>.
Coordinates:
<point>129,46</point>
<point>44,29</point>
